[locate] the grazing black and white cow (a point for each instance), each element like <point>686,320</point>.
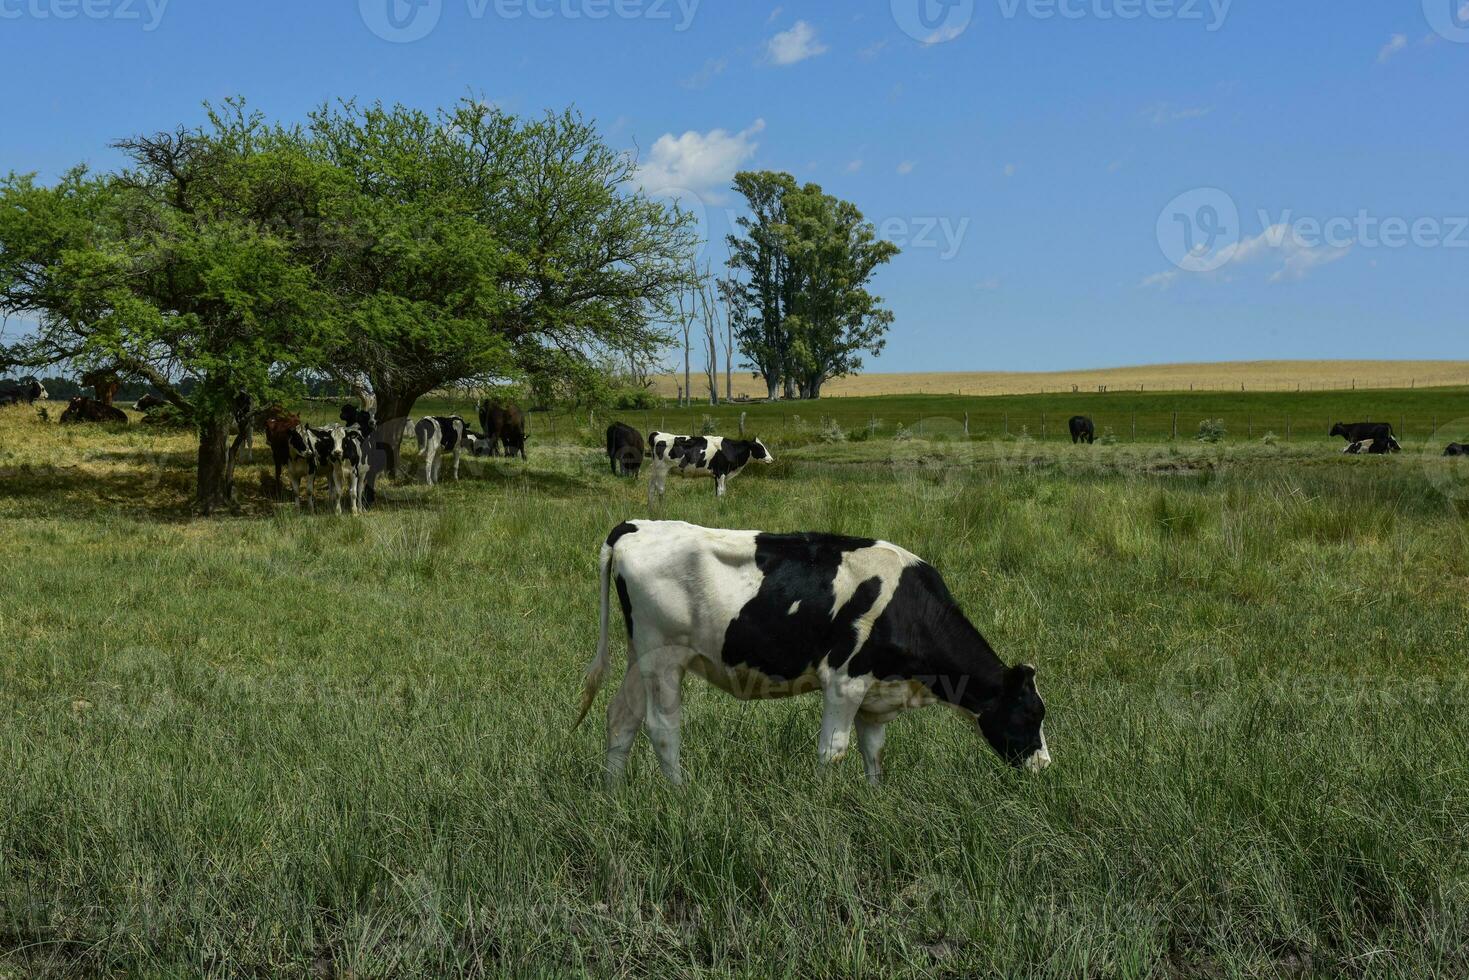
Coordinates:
<point>624,449</point>
<point>438,435</point>
<point>870,626</point>
<point>696,456</point>
<point>1355,432</point>
<point>148,402</point>
<point>1082,430</point>
<point>1457,449</point>
<point>27,390</point>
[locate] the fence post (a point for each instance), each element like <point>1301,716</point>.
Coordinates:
<point>1007,424</point>
<point>1175,426</point>
<point>1043,425</point>
<point>966,425</point>
<point>742,425</point>
<point>1134,427</point>
<point>1287,428</point>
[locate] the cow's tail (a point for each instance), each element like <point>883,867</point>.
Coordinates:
<point>597,672</point>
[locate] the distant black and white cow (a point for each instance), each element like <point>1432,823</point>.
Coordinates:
<point>1082,430</point>
<point>439,435</point>
<point>300,446</point>
<point>1355,432</point>
<point>27,390</point>
<point>870,626</point>
<point>347,464</point>
<point>1457,449</point>
<point>695,456</point>
<point>624,449</point>
<point>148,402</point>
<point>380,454</point>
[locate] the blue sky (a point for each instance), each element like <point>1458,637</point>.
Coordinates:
<point>1046,163</point>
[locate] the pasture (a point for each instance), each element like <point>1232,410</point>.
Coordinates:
<point>293,745</point>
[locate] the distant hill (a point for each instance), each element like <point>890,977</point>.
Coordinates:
<point>1218,376</point>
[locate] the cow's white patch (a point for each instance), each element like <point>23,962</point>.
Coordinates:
<point>794,606</point>
<point>1041,757</point>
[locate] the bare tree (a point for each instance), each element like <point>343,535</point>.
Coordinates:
<point>710,311</point>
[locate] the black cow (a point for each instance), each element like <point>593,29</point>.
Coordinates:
<point>27,390</point>
<point>1457,449</point>
<point>1355,432</point>
<point>624,449</point>
<point>148,402</point>
<point>504,427</point>
<point>1082,430</point>
<point>869,625</point>
<point>84,409</point>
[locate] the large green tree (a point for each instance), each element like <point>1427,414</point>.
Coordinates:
<point>797,292</point>
<point>196,262</point>
<point>489,245</point>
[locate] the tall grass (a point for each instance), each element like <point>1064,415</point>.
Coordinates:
<point>315,746</point>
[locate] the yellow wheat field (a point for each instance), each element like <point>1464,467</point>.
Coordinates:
<point>1218,376</point>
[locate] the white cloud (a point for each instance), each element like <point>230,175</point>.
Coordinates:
<point>872,50</point>
<point>701,78</point>
<point>795,45</point>
<point>775,15</point>
<point>988,285</point>
<point>854,166</point>
<point>1163,113</point>
<point>698,161</point>
<point>1395,44</point>
<point>906,167</point>
<point>1294,258</point>
<point>945,34</point>
<point>1010,170</point>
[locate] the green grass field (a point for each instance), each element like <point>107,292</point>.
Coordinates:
<point>285,745</point>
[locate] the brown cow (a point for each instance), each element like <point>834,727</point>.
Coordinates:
<point>279,424</point>
<point>504,427</point>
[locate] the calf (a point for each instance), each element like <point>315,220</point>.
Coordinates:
<point>347,463</point>
<point>697,456</point>
<point>27,390</point>
<point>870,626</point>
<point>1082,430</point>
<point>437,435</point>
<point>1355,432</point>
<point>624,449</point>
<point>1375,447</point>
<point>1457,449</point>
<point>380,455</point>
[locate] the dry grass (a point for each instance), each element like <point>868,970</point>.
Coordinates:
<point>1219,376</point>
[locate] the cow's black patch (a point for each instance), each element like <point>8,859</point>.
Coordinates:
<point>625,601</point>
<point>731,458</point>
<point>789,626</point>
<point>619,532</point>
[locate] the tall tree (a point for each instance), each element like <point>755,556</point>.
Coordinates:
<point>194,264</point>
<point>487,242</point>
<point>797,289</point>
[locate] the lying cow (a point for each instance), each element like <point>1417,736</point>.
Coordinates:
<point>697,456</point>
<point>84,409</point>
<point>1374,447</point>
<point>27,390</point>
<point>440,434</point>
<point>624,449</point>
<point>1457,449</point>
<point>1082,430</point>
<point>148,402</point>
<point>1355,432</point>
<point>869,625</point>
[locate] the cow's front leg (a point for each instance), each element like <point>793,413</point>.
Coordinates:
<point>842,700</point>
<point>664,715</point>
<point>870,736</point>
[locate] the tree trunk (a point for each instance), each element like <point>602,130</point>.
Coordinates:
<point>813,391</point>
<point>213,466</point>
<point>772,388</point>
<point>394,420</point>
<point>790,386</point>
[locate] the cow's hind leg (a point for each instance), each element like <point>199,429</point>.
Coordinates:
<point>870,736</point>
<point>664,713</point>
<point>624,721</point>
<point>842,699</point>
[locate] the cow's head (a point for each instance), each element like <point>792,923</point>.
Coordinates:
<point>38,390</point>
<point>330,443</point>
<point>759,452</point>
<point>630,460</point>
<point>1457,449</point>
<point>1340,430</point>
<point>302,442</point>
<point>1012,720</point>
